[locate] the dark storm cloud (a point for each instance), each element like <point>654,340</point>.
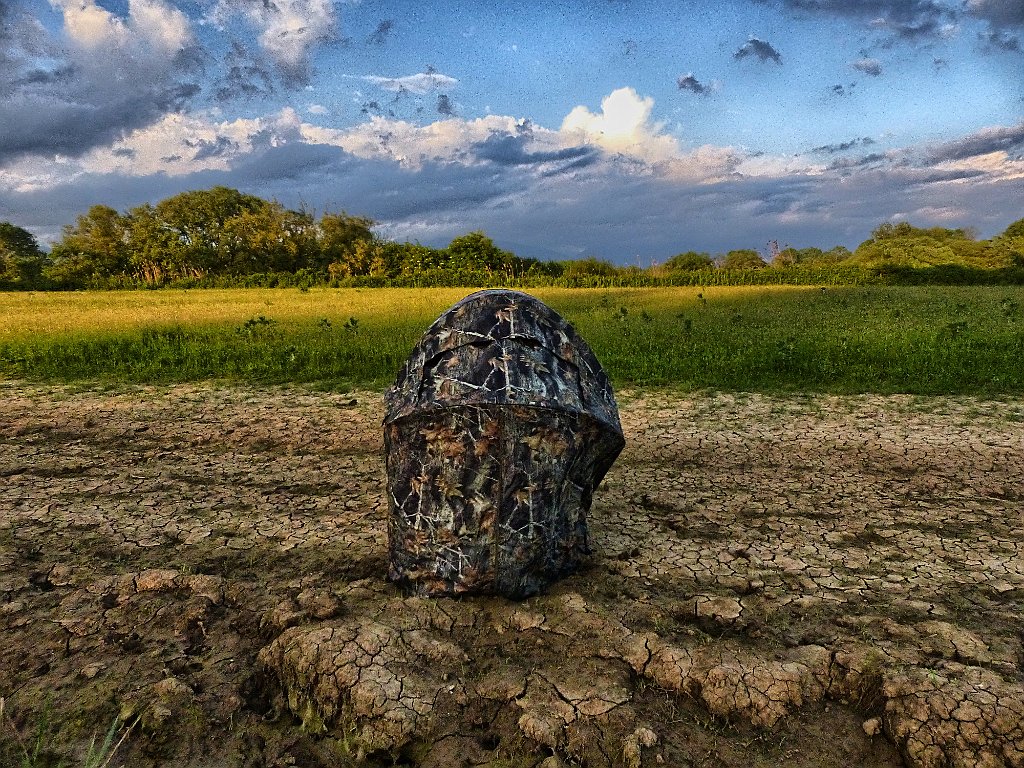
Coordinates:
<point>998,13</point>
<point>899,11</point>
<point>59,74</point>
<point>72,124</point>
<point>62,99</point>
<point>997,39</point>
<point>123,152</point>
<point>445,106</point>
<point>846,163</point>
<point>936,177</point>
<point>380,35</point>
<point>872,67</point>
<point>508,149</point>
<point>831,149</point>
<point>759,48</point>
<point>244,77</point>
<point>289,162</point>
<point>690,83</point>
<point>206,149</point>
<point>923,21</point>
<point>922,31</point>
<point>911,21</point>
<point>1000,139</point>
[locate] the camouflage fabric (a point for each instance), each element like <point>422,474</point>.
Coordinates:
<point>498,429</point>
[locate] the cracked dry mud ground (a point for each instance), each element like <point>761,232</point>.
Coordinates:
<point>806,581</point>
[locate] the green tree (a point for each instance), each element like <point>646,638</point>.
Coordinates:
<point>476,251</point>
<point>1009,246</point>
<point>902,244</point>
<point>197,237</point>
<point>590,266</point>
<point>689,261</point>
<point>1015,230</point>
<point>812,256</point>
<point>743,258</point>
<point>150,246</point>
<point>343,243</point>
<point>97,243</point>
<point>837,254</point>
<point>269,238</point>
<point>21,259</point>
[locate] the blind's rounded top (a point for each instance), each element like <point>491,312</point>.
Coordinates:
<point>502,347</point>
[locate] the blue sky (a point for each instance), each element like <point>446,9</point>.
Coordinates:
<point>623,129</point>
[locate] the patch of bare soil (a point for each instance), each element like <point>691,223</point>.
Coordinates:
<point>800,581</point>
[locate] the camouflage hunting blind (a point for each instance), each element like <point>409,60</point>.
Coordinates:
<point>498,429</point>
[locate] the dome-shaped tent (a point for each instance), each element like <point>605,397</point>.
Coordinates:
<point>498,429</point>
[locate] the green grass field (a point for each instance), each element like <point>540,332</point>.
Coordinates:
<point>857,339</point>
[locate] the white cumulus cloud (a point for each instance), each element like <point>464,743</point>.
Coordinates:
<point>151,27</point>
<point>288,29</point>
<point>623,125</point>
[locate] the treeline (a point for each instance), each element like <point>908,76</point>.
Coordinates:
<point>223,238</point>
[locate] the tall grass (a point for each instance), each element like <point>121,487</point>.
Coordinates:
<point>870,339</point>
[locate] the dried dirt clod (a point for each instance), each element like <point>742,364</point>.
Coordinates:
<point>872,726</point>
<point>634,744</point>
<point>156,707</point>
<point>542,728</point>
<point>156,579</point>
<point>319,604</point>
<point>89,671</point>
<point>384,681</point>
<point>722,609</point>
<point>957,716</point>
<point>524,620</point>
<point>502,686</point>
<point>951,642</point>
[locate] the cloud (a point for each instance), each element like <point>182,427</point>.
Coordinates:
<point>605,208</point>
<point>623,126</point>
<point>926,30</point>
<point>831,149</point>
<point>998,39</point>
<point>444,105</point>
<point>205,149</point>
<point>151,26</point>
<point>380,35</point>
<point>998,13</point>
<point>98,77</point>
<point>610,182</point>
<point>513,149</point>
<point>288,30</point>
<point>1003,139</point>
<point>690,83</point>
<point>244,76</point>
<point>759,48</point>
<point>910,21</point>
<point>420,83</point>
<point>872,67</point>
